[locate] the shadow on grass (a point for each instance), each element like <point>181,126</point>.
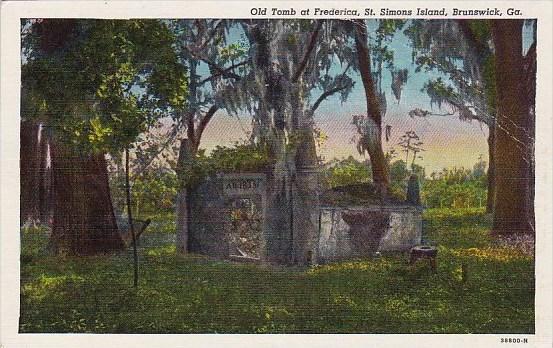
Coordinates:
<point>194,294</point>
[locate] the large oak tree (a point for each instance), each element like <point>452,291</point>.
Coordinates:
<point>514,133</point>
<point>372,129</point>
<point>95,85</point>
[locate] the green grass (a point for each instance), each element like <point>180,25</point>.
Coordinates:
<point>193,294</point>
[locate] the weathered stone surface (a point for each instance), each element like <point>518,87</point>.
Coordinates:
<point>306,216</point>
<point>404,231</point>
<point>278,220</point>
<point>291,231</point>
<point>243,185</point>
<point>413,190</point>
<point>334,237</point>
<point>365,230</point>
<point>361,231</point>
<point>211,205</point>
<point>209,220</point>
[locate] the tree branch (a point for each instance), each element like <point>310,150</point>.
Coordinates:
<point>170,140</point>
<point>310,48</point>
<point>327,94</point>
<point>203,123</point>
<point>225,71</point>
<point>211,33</point>
<point>221,71</point>
<point>364,59</point>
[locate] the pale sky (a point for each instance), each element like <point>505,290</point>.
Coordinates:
<point>448,142</point>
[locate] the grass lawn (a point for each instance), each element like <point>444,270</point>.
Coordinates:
<point>193,294</point>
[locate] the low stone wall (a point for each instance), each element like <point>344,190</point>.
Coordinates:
<point>350,232</point>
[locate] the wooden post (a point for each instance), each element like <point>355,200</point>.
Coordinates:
<point>129,212</point>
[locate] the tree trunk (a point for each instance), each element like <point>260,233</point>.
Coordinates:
<point>45,181</point>
<point>187,152</point>
<point>183,203</point>
<point>272,121</point>
<point>481,52</point>
<point>305,202</point>
<point>512,140</point>
<point>84,221</point>
<point>29,157</point>
<point>379,166</point>
<point>491,169</point>
<point>530,75</point>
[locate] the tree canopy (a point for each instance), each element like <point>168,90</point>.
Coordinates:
<point>100,83</point>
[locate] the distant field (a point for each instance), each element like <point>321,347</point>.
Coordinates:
<point>193,294</point>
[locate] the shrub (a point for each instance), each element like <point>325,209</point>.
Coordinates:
<point>347,171</point>
<point>153,192</point>
<point>242,157</point>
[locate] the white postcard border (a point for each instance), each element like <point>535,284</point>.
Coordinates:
<point>11,12</point>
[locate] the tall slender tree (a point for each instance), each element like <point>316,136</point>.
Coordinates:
<point>373,123</point>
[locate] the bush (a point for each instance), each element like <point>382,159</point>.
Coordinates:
<point>346,172</point>
<point>153,192</point>
<point>455,188</point>
<point>450,188</point>
<point>225,159</point>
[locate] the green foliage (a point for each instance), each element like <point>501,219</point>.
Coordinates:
<point>242,157</point>
<point>388,27</point>
<point>153,192</point>
<point>232,52</point>
<point>351,172</point>
<point>194,294</point>
<point>347,172</point>
<point>36,241</point>
<point>100,83</point>
<point>381,52</point>
<point>481,30</point>
<point>439,194</point>
<point>449,188</point>
<point>439,92</point>
<point>456,188</point>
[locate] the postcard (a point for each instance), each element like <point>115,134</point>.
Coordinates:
<point>276,173</point>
